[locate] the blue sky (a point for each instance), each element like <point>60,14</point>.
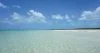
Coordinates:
<point>49,14</point>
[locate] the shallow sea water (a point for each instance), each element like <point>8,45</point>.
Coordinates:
<point>50,41</point>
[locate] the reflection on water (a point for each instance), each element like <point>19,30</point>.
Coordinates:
<point>50,41</point>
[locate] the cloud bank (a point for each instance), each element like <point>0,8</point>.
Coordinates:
<point>33,16</point>
<point>91,15</point>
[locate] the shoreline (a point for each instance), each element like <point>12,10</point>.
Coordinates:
<point>44,29</point>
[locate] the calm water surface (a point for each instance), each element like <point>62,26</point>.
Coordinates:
<point>50,41</point>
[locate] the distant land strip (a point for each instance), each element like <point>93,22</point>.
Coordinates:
<point>53,29</point>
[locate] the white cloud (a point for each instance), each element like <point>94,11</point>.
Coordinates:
<point>16,6</point>
<point>5,6</point>
<point>67,18</point>
<point>60,17</point>
<point>91,15</point>
<point>35,16</point>
<point>2,5</point>
<point>16,17</point>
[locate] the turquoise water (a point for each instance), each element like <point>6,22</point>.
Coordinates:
<point>50,41</point>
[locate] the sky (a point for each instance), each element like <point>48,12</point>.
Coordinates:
<point>49,14</point>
